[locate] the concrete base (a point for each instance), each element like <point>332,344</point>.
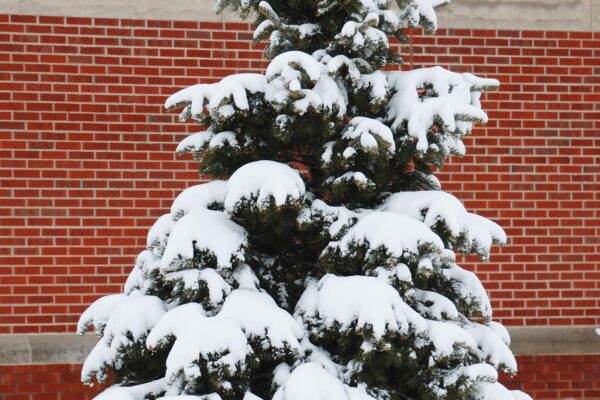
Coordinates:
<point>554,340</point>
<point>71,348</point>
<point>52,348</point>
<point>566,15</point>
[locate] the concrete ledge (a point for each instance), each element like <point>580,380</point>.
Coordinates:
<point>566,15</point>
<point>554,340</point>
<point>548,15</point>
<point>65,348</point>
<point>54,348</point>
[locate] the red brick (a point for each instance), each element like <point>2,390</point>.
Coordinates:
<point>84,129</point>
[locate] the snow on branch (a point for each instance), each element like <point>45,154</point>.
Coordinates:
<point>357,302</point>
<point>208,139</point>
<point>397,233</point>
<point>265,181</point>
<point>470,289</point>
<point>98,313</point>
<point>136,392</point>
<point>274,26</point>
<point>198,197</point>
<point>206,231</point>
<point>333,220</point>
<point>190,280</point>
<point>298,77</point>
<point>125,320</point>
<point>428,96</point>
<point>492,346</point>
<point>289,64</point>
<point>218,97</point>
<point>259,316</point>
<point>435,306</point>
<point>157,237</point>
<point>466,231</point>
<point>421,12</point>
<point>216,343</point>
<point>497,391</point>
<point>446,336</point>
<point>146,262</point>
<point>311,381</point>
<point>370,133</point>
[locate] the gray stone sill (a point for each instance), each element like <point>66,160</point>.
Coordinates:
<point>68,348</point>
<point>563,15</point>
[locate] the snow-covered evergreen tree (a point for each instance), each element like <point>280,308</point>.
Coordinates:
<point>322,265</point>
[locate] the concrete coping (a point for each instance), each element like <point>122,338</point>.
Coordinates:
<point>564,15</point>
<point>51,348</point>
<point>68,348</point>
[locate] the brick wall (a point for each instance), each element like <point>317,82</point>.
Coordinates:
<point>543,377</point>
<point>43,382</point>
<point>559,377</point>
<point>87,159</point>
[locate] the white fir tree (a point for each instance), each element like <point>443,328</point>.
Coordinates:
<point>322,265</point>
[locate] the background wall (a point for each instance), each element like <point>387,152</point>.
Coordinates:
<point>87,164</point>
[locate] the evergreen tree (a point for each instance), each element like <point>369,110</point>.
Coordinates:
<point>322,265</point>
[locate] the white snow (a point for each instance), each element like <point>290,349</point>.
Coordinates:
<point>430,207</point>
<point>281,64</point>
<point>397,233</point>
<point>147,261</point>
<point>191,278</point>
<point>132,316</point>
<point>205,230</point>
<point>445,335</point>
<point>265,180</point>
<point>329,95</point>
<point>468,285</point>
<point>194,142</point>
<point>336,63</point>
<point>500,331</point>
<point>212,396</point>
<point>350,151</point>
<point>453,101</point>
<point>284,75</point>
<point>258,315</point>
<point>250,396</point>
<point>497,391</point>
<point>213,94</point>
<point>474,373</point>
<point>398,273</point>
<point>199,336</point>
<point>434,305</point>
<point>357,177</point>
<point>136,315</point>
<point>198,197</point>
<point>311,381</point>
<point>222,138</point>
<point>135,281</point>
<point>361,299</point>
<point>492,347</point>
<point>422,12</point>
<point>366,129</point>
<point>157,237</point>
<point>377,82</point>
<point>327,152</point>
<point>335,218</point>
<point>137,392</point>
<point>245,277</point>
<point>98,313</point>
